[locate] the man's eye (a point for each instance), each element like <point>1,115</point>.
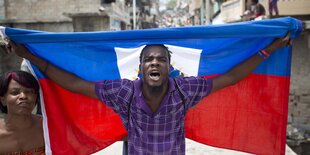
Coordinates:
<point>163,59</point>
<point>147,59</point>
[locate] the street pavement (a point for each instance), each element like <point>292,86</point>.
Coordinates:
<point>192,148</point>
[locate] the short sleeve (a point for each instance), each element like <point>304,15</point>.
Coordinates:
<point>194,89</point>
<point>116,94</point>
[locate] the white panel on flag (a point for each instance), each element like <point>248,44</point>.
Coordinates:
<point>186,60</point>
<point>128,62</point>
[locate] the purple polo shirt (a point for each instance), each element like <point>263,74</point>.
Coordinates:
<point>156,133</point>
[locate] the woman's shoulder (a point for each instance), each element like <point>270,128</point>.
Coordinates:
<point>4,134</point>
<point>35,151</point>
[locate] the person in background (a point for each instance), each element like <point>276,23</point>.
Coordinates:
<point>254,11</point>
<point>21,132</point>
<point>258,9</point>
<point>273,6</point>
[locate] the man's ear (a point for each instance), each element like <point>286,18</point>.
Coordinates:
<point>140,69</point>
<point>140,72</point>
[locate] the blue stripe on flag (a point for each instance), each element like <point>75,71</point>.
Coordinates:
<point>223,46</point>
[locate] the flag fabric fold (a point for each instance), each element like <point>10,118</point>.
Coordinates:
<point>250,116</point>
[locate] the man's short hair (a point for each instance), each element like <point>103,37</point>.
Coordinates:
<point>255,1</point>
<point>161,45</point>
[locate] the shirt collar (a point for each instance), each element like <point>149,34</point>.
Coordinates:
<point>138,84</point>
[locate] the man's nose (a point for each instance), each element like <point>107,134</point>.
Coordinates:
<point>155,62</point>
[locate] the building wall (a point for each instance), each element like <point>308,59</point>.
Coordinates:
<point>56,15</point>
<point>91,23</point>
<point>65,26</point>
<point>47,10</point>
<point>2,10</point>
<point>290,7</point>
<point>299,105</point>
<point>47,15</point>
<point>232,10</point>
<point>9,62</point>
<point>194,4</point>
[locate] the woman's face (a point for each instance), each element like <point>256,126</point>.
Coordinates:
<point>19,100</point>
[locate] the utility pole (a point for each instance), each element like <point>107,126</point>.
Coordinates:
<point>208,12</point>
<point>134,13</point>
<point>202,10</point>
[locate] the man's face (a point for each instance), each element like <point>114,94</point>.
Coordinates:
<point>154,66</point>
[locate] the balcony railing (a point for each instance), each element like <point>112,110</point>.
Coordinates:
<point>233,10</point>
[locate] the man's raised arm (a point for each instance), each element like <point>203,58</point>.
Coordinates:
<point>61,77</point>
<point>240,71</point>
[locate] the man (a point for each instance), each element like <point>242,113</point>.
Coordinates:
<point>152,109</point>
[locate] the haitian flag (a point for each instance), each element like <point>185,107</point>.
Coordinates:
<point>250,116</point>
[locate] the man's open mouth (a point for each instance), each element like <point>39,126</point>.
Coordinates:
<point>155,75</point>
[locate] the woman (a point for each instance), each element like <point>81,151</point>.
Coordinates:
<point>21,132</point>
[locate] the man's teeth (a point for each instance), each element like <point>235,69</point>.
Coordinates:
<point>154,74</point>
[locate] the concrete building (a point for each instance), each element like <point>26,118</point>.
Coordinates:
<point>61,16</point>
<point>202,12</point>
<point>147,13</point>
<point>109,16</point>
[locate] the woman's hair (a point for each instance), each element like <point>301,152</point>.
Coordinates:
<point>23,78</point>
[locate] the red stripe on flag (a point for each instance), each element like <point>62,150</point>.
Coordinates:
<point>78,124</point>
<point>250,116</point>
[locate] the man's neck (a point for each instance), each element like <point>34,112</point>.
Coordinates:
<point>154,95</point>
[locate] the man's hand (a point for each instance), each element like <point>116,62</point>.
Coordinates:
<point>279,43</point>
<point>19,49</point>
